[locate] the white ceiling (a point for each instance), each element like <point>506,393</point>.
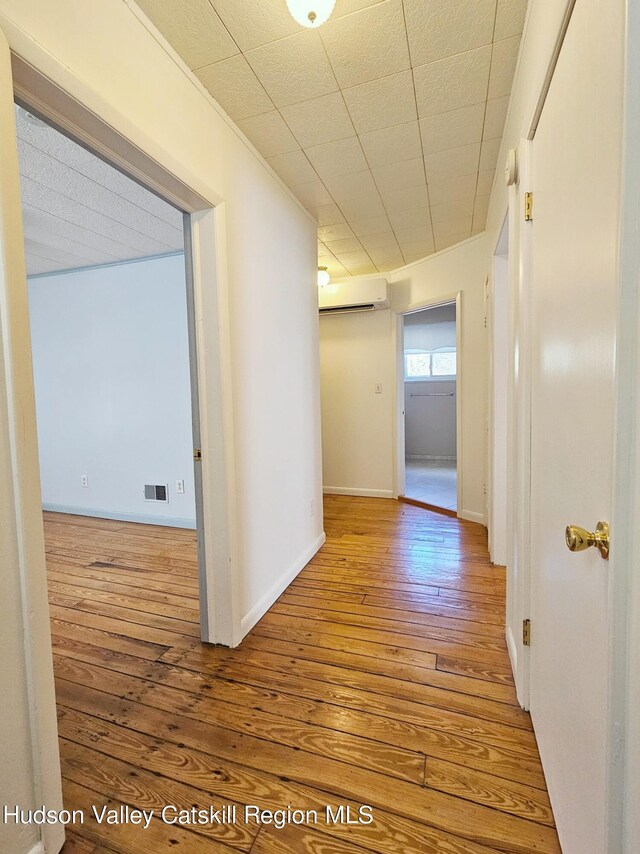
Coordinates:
<point>385,122</point>
<point>78,211</point>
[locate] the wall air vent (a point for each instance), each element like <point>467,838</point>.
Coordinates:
<point>156,492</point>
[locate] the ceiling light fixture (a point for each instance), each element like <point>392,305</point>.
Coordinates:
<point>323,277</point>
<point>311,13</point>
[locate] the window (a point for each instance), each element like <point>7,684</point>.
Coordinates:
<point>425,366</point>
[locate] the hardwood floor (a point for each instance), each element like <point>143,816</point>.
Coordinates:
<point>380,677</point>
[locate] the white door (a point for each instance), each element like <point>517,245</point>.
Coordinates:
<point>576,183</point>
<point>28,726</point>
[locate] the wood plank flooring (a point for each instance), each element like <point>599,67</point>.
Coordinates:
<point>380,677</point>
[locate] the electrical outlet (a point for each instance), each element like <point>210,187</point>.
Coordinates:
<point>180,487</point>
<point>84,480</point>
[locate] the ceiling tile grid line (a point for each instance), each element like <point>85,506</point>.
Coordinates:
<point>382,82</point>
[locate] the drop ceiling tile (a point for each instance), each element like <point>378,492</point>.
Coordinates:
<point>293,167</point>
<point>336,270</point>
<point>193,28</point>
<point>509,18</point>
<point>489,154</point>
<point>356,185</point>
<point>440,28</point>
<point>337,158</point>
<point>323,119</point>
<point>451,240</point>
<point>451,83</point>
<point>419,234</point>
<point>382,103</point>
<point>293,69</point>
<point>410,219</point>
<point>329,214</point>
<point>457,209</point>
<point>313,193</point>
<point>409,199</point>
<point>347,245</point>
<point>392,145</point>
<point>447,189</point>
<point>235,87</point>
<point>417,251</point>
<point>452,129</point>
<point>485,182</point>
<point>369,226</point>
<point>335,232</point>
<point>368,44</point>
<point>349,259</point>
<point>400,176</point>
<point>347,7</point>
<point>254,22</point>
<point>452,226</point>
<point>481,208</point>
<point>387,258</point>
<point>495,117</point>
<point>362,207</point>
<point>269,133</point>
<point>453,163</point>
<point>383,240</point>
<point>503,65</point>
<point>365,269</point>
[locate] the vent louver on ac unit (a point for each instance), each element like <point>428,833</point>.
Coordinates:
<point>156,492</point>
<point>358,294</point>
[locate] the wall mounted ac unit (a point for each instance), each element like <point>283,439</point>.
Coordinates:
<point>357,295</point>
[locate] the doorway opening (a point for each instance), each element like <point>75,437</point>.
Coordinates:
<point>114,384</point>
<point>430,407</point>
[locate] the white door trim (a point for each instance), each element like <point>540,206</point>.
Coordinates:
<point>623,782</point>
<point>399,473</point>
<point>82,120</point>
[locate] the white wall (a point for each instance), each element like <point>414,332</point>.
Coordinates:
<point>356,354</point>
<point>358,350</point>
<point>430,422</point>
<point>111,370</point>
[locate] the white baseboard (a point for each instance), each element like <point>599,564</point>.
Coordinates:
<point>265,602</point>
<point>364,493</point>
<point>169,521</point>
<point>471,516</point>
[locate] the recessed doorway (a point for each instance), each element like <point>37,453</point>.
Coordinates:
<point>429,403</point>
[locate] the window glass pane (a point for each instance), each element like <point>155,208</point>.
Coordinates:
<point>417,365</point>
<point>443,364</point>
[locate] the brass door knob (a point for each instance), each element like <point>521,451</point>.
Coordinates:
<point>578,539</point>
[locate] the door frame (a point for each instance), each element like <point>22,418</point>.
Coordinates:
<point>399,473</point>
<point>490,315</point>
<point>208,311</point>
<point>623,783</point>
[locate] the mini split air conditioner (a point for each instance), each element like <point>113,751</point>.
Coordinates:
<point>357,295</point>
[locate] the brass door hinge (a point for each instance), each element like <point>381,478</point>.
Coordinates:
<point>526,632</point>
<point>528,207</point>
<point>197,454</point>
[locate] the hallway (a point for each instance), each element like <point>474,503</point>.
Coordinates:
<point>379,677</point>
